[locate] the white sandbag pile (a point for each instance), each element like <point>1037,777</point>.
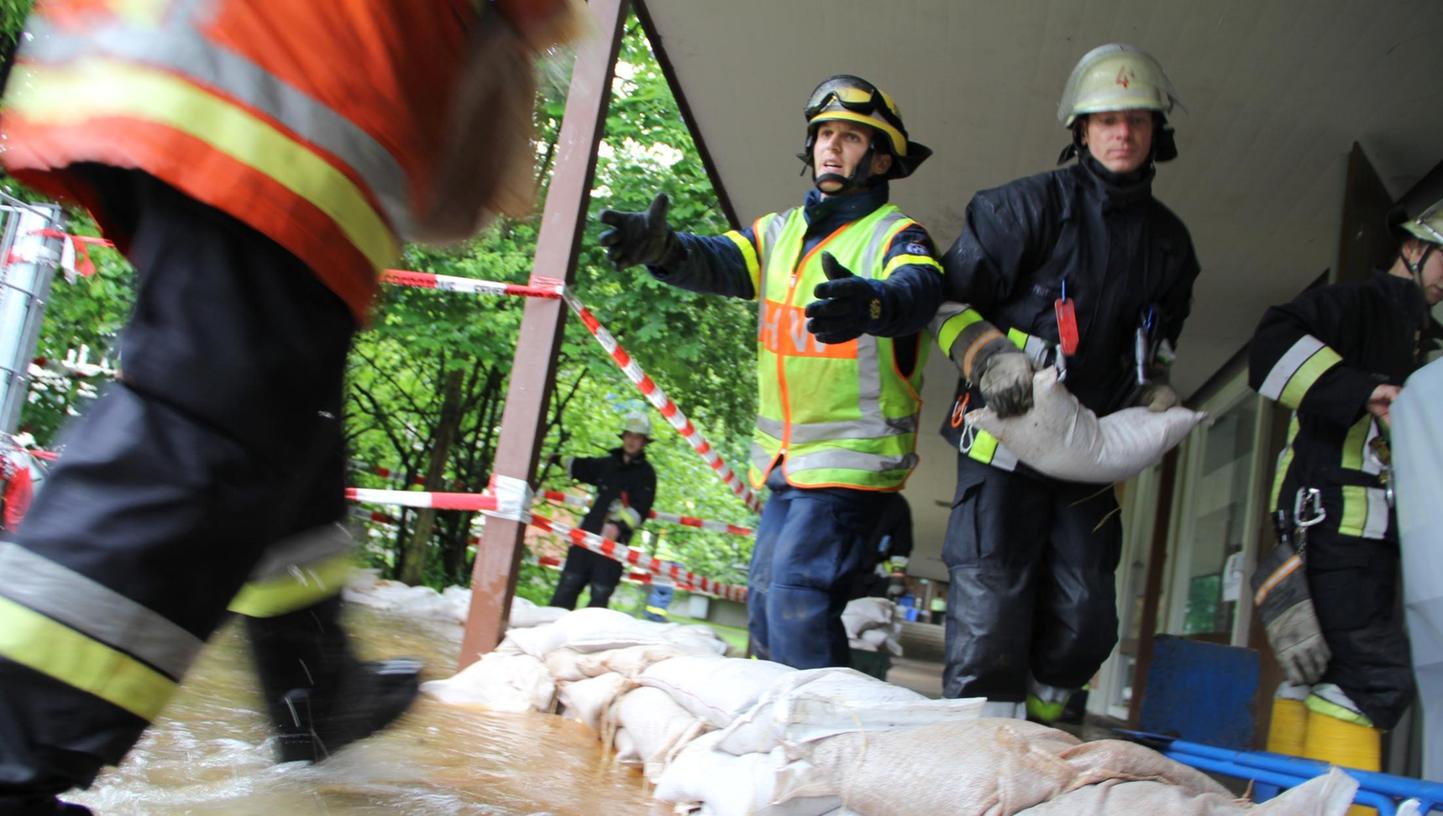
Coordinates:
<point>1062,439</point>
<point>873,625</point>
<point>731,737</point>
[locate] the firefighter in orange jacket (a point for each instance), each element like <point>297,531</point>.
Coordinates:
<point>258,161</point>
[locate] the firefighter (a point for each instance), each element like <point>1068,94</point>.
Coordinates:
<point>1337,356</point>
<point>838,377</point>
<point>258,163</point>
<point>1080,268</point>
<point>625,490</point>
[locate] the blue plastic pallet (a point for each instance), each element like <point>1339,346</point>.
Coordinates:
<point>1273,773</point>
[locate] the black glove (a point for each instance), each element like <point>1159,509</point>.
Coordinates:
<point>1004,376</point>
<point>847,306</point>
<point>639,238</point>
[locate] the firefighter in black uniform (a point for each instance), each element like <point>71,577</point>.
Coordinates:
<point>1080,268</point>
<point>625,489</point>
<point>1337,357</point>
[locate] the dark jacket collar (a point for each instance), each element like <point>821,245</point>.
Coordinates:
<point>619,454</point>
<point>833,211</point>
<point>1117,191</point>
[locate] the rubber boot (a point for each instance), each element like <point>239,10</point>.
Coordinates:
<point>1005,710</point>
<point>1339,734</point>
<point>1045,703</point>
<point>1289,721</point>
<point>319,696</point>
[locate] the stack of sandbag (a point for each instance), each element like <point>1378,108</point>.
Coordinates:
<point>679,699</point>
<point>453,604</point>
<point>368,589</point>
<point>1063,439</point>
<point>872,625</point>
<point>1001,767</point>
<point>582,661</point>
<point>748,766</point>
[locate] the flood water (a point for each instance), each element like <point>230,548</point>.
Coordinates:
<point>210,753</point>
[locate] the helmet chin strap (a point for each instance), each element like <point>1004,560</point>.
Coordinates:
<point>1416,267</point>
<point>860,178</point>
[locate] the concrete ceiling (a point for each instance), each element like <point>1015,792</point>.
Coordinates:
<point>1276,93</point>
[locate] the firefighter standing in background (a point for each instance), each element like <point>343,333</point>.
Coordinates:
<point>258,162</point>
<point>839,381</point>
<point>625,490</point>
<point>1337,356</point>
<point>1080,268</point>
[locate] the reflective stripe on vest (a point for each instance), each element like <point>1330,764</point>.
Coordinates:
<point>181,49</point>
<point>172,77</point>
<point>298,572</point>
<point>65,625</point>
<point>864,441</point>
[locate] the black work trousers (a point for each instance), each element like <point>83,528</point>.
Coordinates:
<point>585,567</point>
<point>1031,562</point>
<point>1354,585</point>
<point>222,437</point>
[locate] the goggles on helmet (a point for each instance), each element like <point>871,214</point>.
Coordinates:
<point>856,96</point>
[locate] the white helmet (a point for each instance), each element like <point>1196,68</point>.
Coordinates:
<point>637,422</point>
<point>1115,77</point>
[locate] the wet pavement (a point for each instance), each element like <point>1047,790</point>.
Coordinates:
<point>210,753</point>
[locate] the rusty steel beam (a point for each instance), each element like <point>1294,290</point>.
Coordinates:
<point>533,371</point>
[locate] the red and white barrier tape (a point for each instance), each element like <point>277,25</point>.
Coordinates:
<point>584,502</point>
<point>451,283</point>
<point>661,401</point>
<point>630,555</point>
<point>422,499</point>
<point>552,562</point>
<point>491,504</point>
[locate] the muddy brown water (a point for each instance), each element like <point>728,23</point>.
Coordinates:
<point>210,753</point>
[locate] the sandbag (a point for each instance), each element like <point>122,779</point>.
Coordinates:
<point>993,767</point>
<point>715,689</point>
<point>366,589</point>
<point>587,701</point>
<point>656,728</point>
<point>817,703</point>
<point>630,661</point>
<point>728,785</point>
<point>564,665</point>
<point>499,682</point>
<point>525,614</point>
<point>598,629</point>
<point>1326,795</point>
<point>1061,438</point>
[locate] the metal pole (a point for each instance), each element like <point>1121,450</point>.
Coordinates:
<point>27,267</point>
<point>533,371</point>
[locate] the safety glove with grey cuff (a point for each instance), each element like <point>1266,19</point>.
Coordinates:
<point>640,238</point>
<point>1280,587</point>
<point>1003,374</point>
<point>846,306</point>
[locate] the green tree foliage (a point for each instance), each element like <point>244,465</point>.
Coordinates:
<point>428,378</point>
